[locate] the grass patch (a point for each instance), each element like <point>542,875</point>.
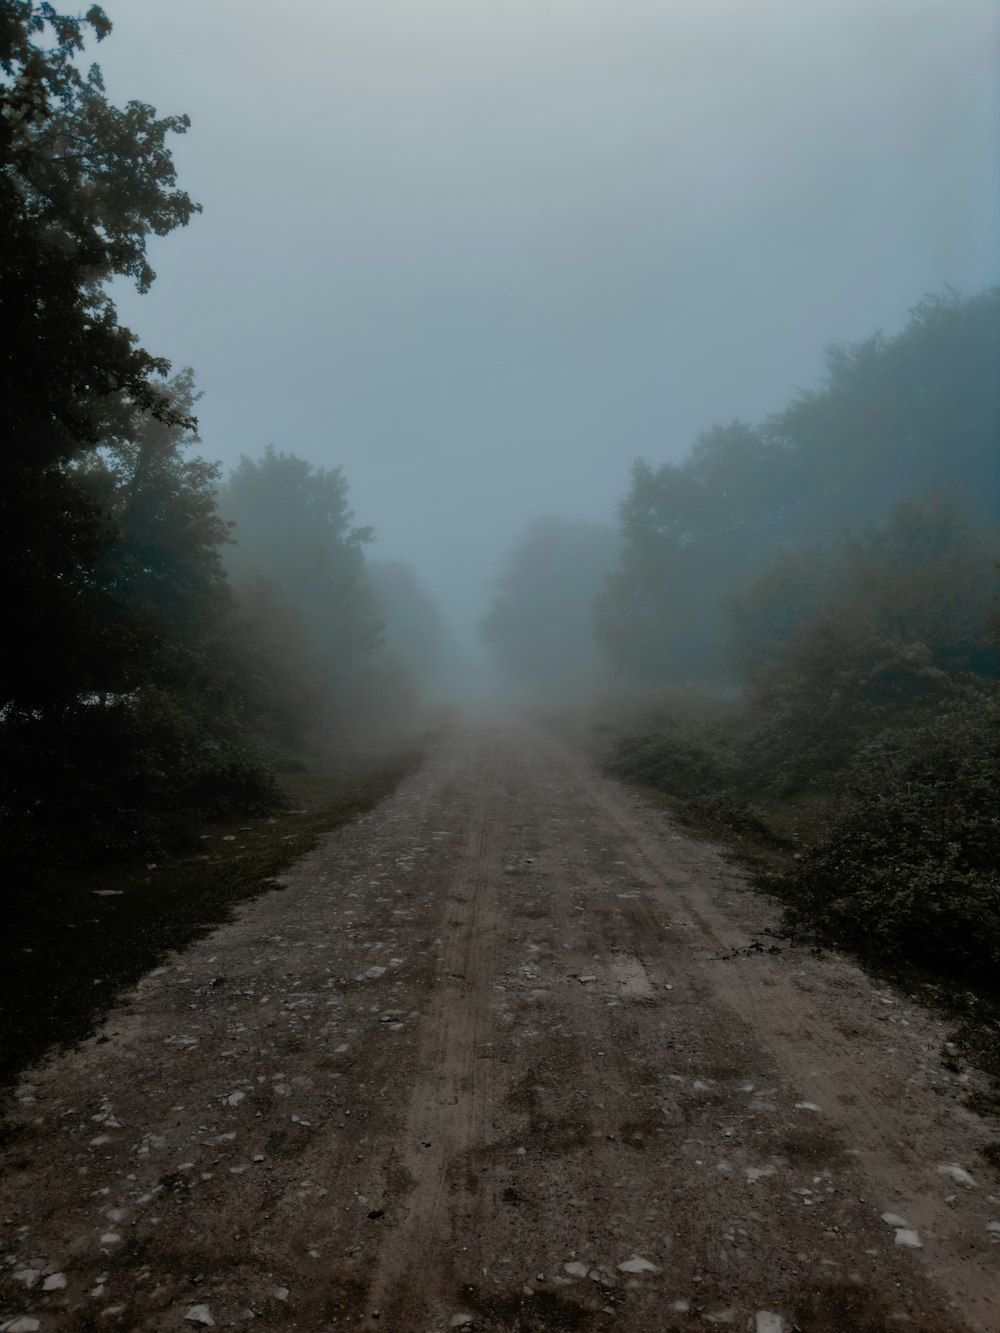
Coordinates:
<point>72,943</point>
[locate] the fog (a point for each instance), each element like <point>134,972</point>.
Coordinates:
<point>584,387</point>
<point>484,255</point>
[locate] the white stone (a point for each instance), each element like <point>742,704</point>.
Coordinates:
<point>894,1220</point>
<point>55,1282</point>
<point>768,1322</point>
<point>460,1320</point>
<point>637,1265</point>
<point>200,1314</point>
<point>956,1173</point>
<point>24,1323</point>
<point>576,1269</point>
<point>909,1238</point>
<point>754,1173</point>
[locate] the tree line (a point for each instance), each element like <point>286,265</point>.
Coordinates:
<point>170,635</point>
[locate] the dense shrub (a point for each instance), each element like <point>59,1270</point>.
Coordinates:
<point>127,776</point>
<point>910,867</point>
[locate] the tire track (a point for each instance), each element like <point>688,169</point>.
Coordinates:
<point>451,1102</point>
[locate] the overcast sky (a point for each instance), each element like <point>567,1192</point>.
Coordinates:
<point>484,253</point>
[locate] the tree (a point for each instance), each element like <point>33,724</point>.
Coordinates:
<point>292,528</point>
<point>164,734</point>
<point>690,533</point>
<point>82,186</point>
<point>896,420</point>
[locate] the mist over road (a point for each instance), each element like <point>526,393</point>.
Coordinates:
<point>493,1058</point>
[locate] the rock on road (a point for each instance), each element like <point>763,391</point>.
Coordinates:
<point>491,1060</point>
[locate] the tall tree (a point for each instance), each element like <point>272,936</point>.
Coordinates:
<point>293,529</point>
<point>82,186</point>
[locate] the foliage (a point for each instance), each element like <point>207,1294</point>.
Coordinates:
<point>689,531</point>
<point>897,420</point>
<point>872,724</point>
<point>902,632</point>
<point>292,529</point>
<point>540,624</point>
<point>910,867</point>
<point>82,185</point>
<point>117,711</point>
<point>127,763</point>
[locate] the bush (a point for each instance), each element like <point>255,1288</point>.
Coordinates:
<point>686,748</point>
<point>910,867</point>
<point>131,776</point>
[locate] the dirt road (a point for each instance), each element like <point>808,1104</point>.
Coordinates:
<point>487,1062</point>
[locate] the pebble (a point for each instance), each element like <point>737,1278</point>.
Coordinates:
<point>460,1320</point>
<point>24,1323</point>
<point>956,1173</point>
<point>758,1172</point>
<point>200,1314</point>
<point>908,1237</point>
<point>637,1265</point>
<point>576,1269</point>
<point>55,1282</point>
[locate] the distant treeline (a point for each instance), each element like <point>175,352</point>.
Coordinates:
<point>719,558</point>
<point>167,643</point>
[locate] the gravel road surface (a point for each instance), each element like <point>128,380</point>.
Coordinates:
<point>491,1059</point>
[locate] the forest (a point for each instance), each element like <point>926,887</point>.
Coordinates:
<point>792,631</point>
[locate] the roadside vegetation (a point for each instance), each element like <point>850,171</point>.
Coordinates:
<point>84,936</point>
<point>830,581</point>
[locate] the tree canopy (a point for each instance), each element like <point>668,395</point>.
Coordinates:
<point>82,186</point>
<point>896,420</point>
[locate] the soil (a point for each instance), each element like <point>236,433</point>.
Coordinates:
<point>494,1058</point>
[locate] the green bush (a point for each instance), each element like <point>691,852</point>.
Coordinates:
<point>910,867</point>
